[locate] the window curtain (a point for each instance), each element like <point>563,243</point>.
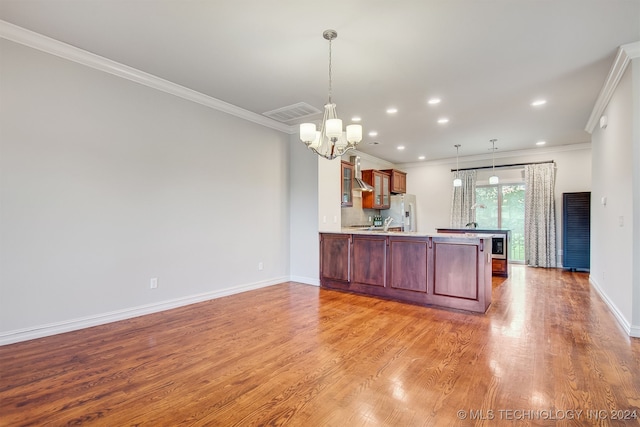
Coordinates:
<point>540,215</point>
<point>463,198</point>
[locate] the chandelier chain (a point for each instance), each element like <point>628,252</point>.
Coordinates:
<point>330,79</point>
<point>493,153</point>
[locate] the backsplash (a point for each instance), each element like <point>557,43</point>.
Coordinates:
<point>355,215</point>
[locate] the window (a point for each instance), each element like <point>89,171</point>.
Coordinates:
<point>502,206</point>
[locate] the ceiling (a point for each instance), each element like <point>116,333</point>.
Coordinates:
<point>487,60</point>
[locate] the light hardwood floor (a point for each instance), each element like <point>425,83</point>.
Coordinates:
<point>297,355</point>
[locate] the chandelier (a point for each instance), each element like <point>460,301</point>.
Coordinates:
<point>331,141</point>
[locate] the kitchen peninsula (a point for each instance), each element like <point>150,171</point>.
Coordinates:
<point>446,270</point>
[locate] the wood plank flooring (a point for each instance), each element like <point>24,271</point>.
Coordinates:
<point>298,355</point>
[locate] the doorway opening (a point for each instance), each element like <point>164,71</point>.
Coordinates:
<point>502,206</point>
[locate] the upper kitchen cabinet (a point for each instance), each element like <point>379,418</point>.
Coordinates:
<point>347,172</point>
<point>380,197</point>
<point>398,180</point>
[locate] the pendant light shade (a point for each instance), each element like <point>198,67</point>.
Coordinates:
<point>493,179</point>
<point>457,182</point>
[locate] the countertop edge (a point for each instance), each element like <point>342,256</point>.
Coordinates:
<point>410,234</point>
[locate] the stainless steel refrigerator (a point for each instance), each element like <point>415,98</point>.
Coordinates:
<point>403,212</point>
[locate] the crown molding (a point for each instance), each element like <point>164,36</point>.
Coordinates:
<point>501,155</point>
<point>625,54</point>
<point>370,158</point>
<point>51,46</point>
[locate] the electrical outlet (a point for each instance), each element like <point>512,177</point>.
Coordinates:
<point>153,283</point>
<point>260,265</point>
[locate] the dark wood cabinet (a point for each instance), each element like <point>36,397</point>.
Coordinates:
<point>335,257</point>
<point>380,197</point>
<point>347,171</point>
<point>398,181</point>
<point>450,272</point>
<point>408,264</point>
<point>371,268</point>
<point>462,274</point>
<point>500,267</point>
<point>576,230</point>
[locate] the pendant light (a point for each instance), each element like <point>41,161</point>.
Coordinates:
<point>493,179</point>
<point>457,182</point>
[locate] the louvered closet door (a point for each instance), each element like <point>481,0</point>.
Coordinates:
<point>576,230</point>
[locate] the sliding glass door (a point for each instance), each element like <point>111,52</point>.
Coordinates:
<point>502,206</point>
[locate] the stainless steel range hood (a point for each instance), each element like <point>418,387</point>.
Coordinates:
<point>358,183</point>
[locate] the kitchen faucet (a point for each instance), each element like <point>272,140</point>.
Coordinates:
<point>388,220</point>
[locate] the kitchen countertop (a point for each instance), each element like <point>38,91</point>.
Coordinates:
<point>477,230</point>
<point>378,231</point>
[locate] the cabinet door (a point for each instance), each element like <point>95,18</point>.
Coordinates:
<point>461,275</point>
<point>408,259</point>
<point>456,274</point>
<point>370,260</point>
<point>347,184</point>
<point>335,258</point>
<point>402,182</point>
<point>377,190</point>
<point>368,197</point>
<point>398,181</point>
<point>386,192</point>
<point>379,198</point>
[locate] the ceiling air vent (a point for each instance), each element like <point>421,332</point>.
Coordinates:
<point>292,112</point>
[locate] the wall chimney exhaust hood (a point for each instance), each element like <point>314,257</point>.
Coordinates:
<point>358,183</point>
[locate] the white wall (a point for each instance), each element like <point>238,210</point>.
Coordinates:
<point>432,182</point>
<point>106,183</point>
<point>303,189</point>
<point>615,156</point>
<point>329,215</point>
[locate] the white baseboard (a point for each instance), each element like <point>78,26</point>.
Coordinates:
<point>631,330</point>
<point>305,280</point>
<point>45,330</point>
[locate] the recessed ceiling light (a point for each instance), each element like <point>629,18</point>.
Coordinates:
<point>443,120</point>
<point>421,158</point>
<point>392,110</point>
<point>356,119</point>
<point>400,147</point>
<point>541,142</point>
<point>373,133</point>
<point>434,101</point>
<point>538,102</point>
